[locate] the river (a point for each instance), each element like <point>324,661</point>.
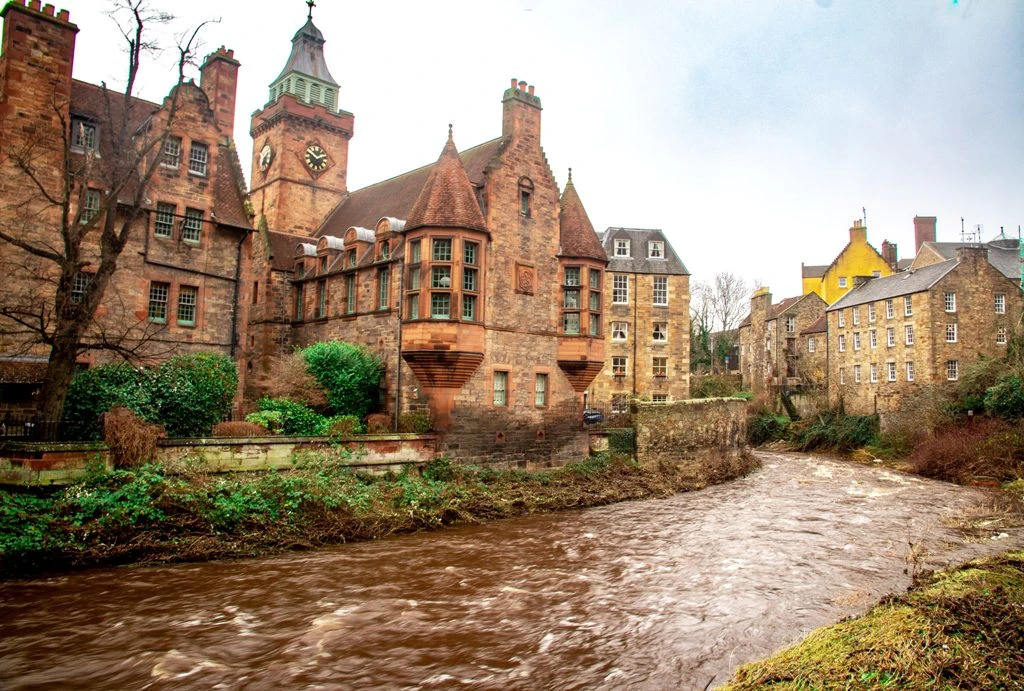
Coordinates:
<point>656,594</point>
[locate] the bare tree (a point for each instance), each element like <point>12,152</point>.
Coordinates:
<point>716,308</point>
<point>78,207</point>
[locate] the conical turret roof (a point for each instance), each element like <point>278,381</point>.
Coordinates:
<point>447,198</point>
<point>307,56</point>
<point>576,233</point>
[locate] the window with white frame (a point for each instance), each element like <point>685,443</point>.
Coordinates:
<point>618,366</point>
<point>619,331</point>
<point>659,398</point>
<point>621,248</point>
<point>198,159</point>
<point>908,334</point>
<point>158,292</point>
<point>81,285</point>
<point>949,300</point>
<point>810,344</point>
<point>842,281</point>
<point>872,338</point>
<point>540,390</point>
<point>1001,335</point>
<point>660,331</point>
<point>952,370</point>
<point>856,374</point>
<point>891,367</point>
<point>842,343</point>
<point>908,306</point>
<point>871,312</point>
<point>910,371</point>
<point>856,341</point>
<point>790,324</point>
<point>890,337</point>
<point>842,319</point>
<point>620,289</point>
<point>874,373</point>
<point>172,152</point>
<point>1000,303</point>
<point>659,366</point>
<point>890,311</point>
<point>163,225</point>
<point>660,291</point>
<point>655,249</point>
<point>500,388</point>
<point>842,375</point>
<point>950,333</point>
<point>856,316</point>
<point>188,299</point>
<point>192,226</point>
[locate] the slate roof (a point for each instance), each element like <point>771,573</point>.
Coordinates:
<point>813,270</point>
<point>1004,257</point>
<point>576,236</point>
<point>307,56</point>
<point>818,327</point>
<point>395,197</point>
<point>281,248</point>
<point>638,262</point>
<point>895,285</point>
<point>447,199</point>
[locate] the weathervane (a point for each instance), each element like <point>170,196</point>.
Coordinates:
<point>311,6</point>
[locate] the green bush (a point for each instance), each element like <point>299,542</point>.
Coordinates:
<point>835,431</point>
<point>342,426</point>
<point>1005,398</point>
<point>193,392</point>
<point>415,422</point>
<point>715,386</point>
<point>188,394</point>
<point>766,426</point>
<point>282,416</point>
<point>622,440</point>
<point>349,373</point>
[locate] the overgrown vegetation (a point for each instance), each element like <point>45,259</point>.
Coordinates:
<point>187,394</point>
<point>828,431</point>
<point>718,386</point>
<point>958,629</point>
<point>147,513</point>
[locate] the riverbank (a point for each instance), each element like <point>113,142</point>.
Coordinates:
<point>150,515</point>
<point>959,628</point>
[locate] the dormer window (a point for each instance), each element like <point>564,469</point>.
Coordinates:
<point>351,258</point>
<point>622,248</point>
<point>83,135</point>
<point>525,197</point>
<point>323,265</point>
<point>655,249</point>
<point>385,250</point>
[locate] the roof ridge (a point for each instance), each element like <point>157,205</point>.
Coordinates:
<point>464,152</point>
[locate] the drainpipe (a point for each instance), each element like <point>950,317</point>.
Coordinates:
<point>234,308</point>
<point>636,336</point>
<point>398,365</point>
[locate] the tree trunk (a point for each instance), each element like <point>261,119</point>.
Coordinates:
<point>59,371</point>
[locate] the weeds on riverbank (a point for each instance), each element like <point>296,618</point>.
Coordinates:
<point>961,628</point>
<point>148,513</point>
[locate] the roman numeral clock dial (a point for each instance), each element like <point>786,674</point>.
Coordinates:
<point>316,158</point>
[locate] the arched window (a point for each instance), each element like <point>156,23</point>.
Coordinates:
<point>525,197</point>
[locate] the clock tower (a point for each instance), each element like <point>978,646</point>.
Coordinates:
<point>300,141</point>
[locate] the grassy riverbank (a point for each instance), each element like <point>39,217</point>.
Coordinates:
<point>148,514</point>
<point>960,628</point>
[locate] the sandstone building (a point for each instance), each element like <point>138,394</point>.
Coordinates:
<point>781,346</point>
<point>177,285</point>
<point>646,323</point>
<point>890,336</point>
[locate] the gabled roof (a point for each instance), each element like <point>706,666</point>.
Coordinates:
<point>307,56</point>
<point>895,285</point>
<point>819,326</point>
<point>776,310</point>
<point>395,197</point>
<point>1003,255</point>
<point>447,199</point>
<point>812,270</point>
<point>638,262</point>
<point>229,190</point>
<point>576,236</point>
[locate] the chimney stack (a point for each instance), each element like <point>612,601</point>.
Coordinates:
<point>219,80</point>
<point>858,232</point>
<point>924,231</point>
<point>520,112</point>
<point>889,254</point>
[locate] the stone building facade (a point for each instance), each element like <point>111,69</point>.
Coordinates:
<point>646,324</point>
<point>178,280</point>
<point>775,351</point>
<point>893,336</point>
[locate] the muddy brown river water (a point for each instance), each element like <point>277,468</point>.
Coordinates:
<point>659,594</point>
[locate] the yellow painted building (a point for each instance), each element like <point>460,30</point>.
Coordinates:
<point>857,259</point>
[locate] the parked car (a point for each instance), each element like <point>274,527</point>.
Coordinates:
<point>592,416</point>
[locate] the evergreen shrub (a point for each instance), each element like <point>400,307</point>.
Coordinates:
<point>349,373</point>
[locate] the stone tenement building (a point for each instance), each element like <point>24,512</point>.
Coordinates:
<point>779,344</point>
<point>647,323</point>
<point>177,283</point>
<point>479,282</point>
<point>858,258</point>
<point>891,336</point>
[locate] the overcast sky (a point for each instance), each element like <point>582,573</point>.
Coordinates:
<point>752,132</point>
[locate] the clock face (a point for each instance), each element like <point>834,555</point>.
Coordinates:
<point>266,156</point>
<point>316,158</point>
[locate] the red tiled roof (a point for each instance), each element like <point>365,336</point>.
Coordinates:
<point>576,233</point>
<point>817,327</point>
<point>229,193</point>
<point>447,199</point>
<point>396,196</point>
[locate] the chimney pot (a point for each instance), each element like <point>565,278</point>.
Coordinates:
<point>48,10</point>
<point>522,86</point>
<point>513,82</point>
<point>531,90</point>
<point>33,5</point>
<point>64,16</point>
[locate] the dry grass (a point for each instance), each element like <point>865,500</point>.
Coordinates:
<point>985,451</point>
<point>131,440</point>
<point>958,629</point>
<point>290,379</point>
